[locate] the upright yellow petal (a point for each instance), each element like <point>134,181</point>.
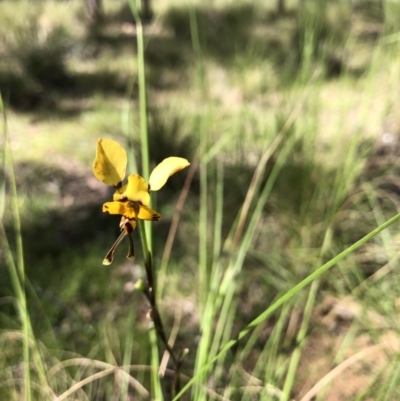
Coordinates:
<point>137,190</point>
<point>164,170</point>
<point>119,193</point>
<point>145,213</point>
<point>110,163</point>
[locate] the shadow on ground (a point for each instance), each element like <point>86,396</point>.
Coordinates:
<point>236,34</point>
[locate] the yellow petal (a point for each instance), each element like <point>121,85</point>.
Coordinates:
<point>115,207</point>
<point>132,211</point>
<point>164,170</point>
<point>137,190</point>
<point>145,213</point>
<point>110,163</point>
<point>119,193</point>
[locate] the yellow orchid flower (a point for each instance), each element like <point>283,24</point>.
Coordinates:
<point>132,199</point>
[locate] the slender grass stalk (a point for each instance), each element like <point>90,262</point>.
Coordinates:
<point>126,360</point>
<point>202,350</point>
<point>272,350</point>
<point>194,33</point>
<point>300,340</point>
<point>3,161</point>
<point>203,213</point>
<point>146,228</point>
<point>219,212</point>
<point>142,102</point>
<point>144,137</point>
<point>210,308</point>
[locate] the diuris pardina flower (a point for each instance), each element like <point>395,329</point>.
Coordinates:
<point>131,200</point>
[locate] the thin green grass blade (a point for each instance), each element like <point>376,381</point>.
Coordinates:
<point>217,237</point>
<point>271,372</point>
<point>300,340</point>
<point>210,308</point>
<point>203,166</point>
<point>127,355</point>
<point>146,228</point>
<point>206,309</point>
<point>3,160</point>
<point>144,137</point>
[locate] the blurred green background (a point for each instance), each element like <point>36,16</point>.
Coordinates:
<point>314,82</point>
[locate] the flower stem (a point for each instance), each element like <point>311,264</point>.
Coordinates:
<point>150,293</point>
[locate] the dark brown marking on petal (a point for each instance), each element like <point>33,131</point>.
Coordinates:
<point>128,228</point>
<point>118,186</point>
<point>124,223</point>
<point>156,217</point>
<point>135,206</point>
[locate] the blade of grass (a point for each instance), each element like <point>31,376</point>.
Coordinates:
<point>202,350</point>
<point>300,340</point>
<point>126,361</point>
